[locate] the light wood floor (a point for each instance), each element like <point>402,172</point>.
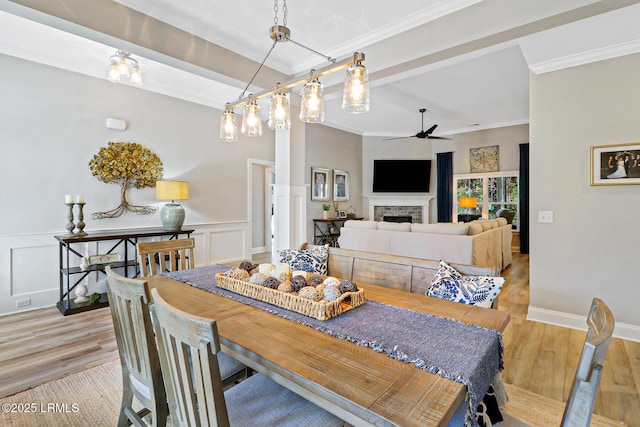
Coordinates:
<point>41,345</point>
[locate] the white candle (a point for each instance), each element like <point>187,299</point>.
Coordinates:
<point>79,199</point>
<point>299,273</point>
<point>282,268</point>
<point>265,269</point>
<point>68,199</point>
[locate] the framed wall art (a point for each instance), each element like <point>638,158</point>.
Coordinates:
<point>485,159</point>
<point>340,186</point>
<point>616,164</point>
<point>320,184</point>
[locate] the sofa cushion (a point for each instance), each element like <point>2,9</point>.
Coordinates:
<point>394,226</point>
<point>312,260</point>
<point>353,223</point>
<point>442,228</point>
<point>449,284</point>
<point>486,224</point>
<point>501,222</point>
<point>474,227</point>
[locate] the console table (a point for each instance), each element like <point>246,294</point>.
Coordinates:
<point>327,231</point>
<point>126,240</point>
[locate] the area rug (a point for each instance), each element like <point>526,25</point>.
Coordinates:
<point>87,398</point>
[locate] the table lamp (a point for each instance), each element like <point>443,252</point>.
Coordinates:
<point>468,203</point>
<point>172,214</point>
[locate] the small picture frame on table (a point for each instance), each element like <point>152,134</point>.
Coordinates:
<point>342,214</point>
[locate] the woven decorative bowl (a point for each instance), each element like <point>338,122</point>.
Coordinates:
<point>321,310</point>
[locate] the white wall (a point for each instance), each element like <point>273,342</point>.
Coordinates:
<point>51,124</point>
<point>591,249</point>
<point>333,149</point>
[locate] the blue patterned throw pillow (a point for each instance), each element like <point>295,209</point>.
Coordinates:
<point>448,283</point>
<point>312,260</point>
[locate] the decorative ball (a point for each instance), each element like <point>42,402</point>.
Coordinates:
<point>284,276</point>
<point>321,287</point>
<point>330,293</point>
<point>248,266</point>
<point>315,280</point>
<point>348,286</point>
<point>297,283</point>
<point>285,287</point>
<point>310,292</point>
<point>331,281</point>
<point>238,274</point>
<point>271,282</point>
<point>257,278</point>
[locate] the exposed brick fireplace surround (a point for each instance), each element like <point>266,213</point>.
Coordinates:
<point>415,206</point>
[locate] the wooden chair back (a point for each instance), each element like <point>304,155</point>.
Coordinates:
<point>579,408</point>
<point>141,374</point>
<point>188,347</point>
<point>165,255</point>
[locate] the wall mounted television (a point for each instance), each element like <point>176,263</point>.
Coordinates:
<point>401,176</point>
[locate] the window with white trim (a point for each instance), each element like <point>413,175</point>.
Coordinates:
<point>492,191</point>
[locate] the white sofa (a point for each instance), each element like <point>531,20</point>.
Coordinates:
<point>485,243</point>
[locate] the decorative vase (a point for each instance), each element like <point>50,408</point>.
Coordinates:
<point>325,214</point>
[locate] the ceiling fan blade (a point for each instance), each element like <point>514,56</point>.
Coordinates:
<point>438,137</point>
<point>400,137</point>
<point>431,129</point>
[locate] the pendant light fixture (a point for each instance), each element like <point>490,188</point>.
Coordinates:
<point>279,111</point>
<point>228,126</point>
<point>251,119</point>
<point>355,96</point>
<point>124,68</point>
<point>312,107</point>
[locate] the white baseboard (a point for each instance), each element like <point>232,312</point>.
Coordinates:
<point>259,250</point>
<point>622,330</point>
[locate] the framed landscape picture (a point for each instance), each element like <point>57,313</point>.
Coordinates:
<point>485,159</point>
<point>320,184</point>
<point>617,164</point>
<point>340,186</point>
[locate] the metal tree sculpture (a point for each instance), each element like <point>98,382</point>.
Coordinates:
<point>130,165</point>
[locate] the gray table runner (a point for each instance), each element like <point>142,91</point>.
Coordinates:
<point>468,354</point>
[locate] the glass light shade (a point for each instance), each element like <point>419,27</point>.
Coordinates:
<point>228,127</point>
<point>114,73</point>
<point>123,68</point>
<point>355,98</point>
<point>279,117</point>
<point>136,77</point>
<point>251,120</point>
<point>312,108</point>
<point>468,202</point>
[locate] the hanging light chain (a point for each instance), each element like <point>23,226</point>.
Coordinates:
<point>285,11</point>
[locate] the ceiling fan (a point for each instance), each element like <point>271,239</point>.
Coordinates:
<point>423,133</point>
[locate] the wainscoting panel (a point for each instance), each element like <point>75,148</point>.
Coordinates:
<point>29,273</point>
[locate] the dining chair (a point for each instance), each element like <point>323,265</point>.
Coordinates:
<point>195,392</point>
<point>578,411</point>
<point>165,255</point>
<point>175,255</point>
<point>141,373</point>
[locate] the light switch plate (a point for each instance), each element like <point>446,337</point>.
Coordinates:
<point>545,217</point>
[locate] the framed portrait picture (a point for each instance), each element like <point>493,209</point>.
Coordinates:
<point>320,184</point>
<point>616,164</point>
<point>484,159</point>
<point>340,186</point>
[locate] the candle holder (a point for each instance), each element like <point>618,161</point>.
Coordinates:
<point>70,225</point>
<point>80,224</point>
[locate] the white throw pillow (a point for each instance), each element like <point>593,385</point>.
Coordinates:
<point>354,223</point>
<point>441,228</point>
<point>312,260</point>
<point>449,284</point>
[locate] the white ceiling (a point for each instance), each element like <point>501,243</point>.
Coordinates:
<point>466,61</point>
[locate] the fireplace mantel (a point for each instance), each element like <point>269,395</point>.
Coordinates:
<point>422,201</point>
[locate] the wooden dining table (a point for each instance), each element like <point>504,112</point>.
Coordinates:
<point>359,385</point>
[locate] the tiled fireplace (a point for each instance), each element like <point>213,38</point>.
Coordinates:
<point>415,206</point>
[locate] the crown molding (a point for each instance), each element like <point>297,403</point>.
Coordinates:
<point>587,57</point>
